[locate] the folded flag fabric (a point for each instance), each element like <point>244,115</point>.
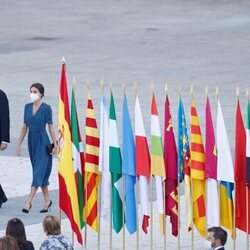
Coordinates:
<point>128,168</point>
<point>171,164</point>
<point>142,164</point>
<point>115,166</point>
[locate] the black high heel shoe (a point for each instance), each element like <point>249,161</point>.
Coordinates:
<point>45,210</point>
<point>26,211</point>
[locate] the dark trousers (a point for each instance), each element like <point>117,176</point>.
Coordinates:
<point>3,197</point>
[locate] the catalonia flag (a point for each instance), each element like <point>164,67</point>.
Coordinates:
<point>91,166</point>
<point>198,173</point>
<point>68,197</point>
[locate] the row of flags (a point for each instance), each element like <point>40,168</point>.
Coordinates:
<point>111,173</point>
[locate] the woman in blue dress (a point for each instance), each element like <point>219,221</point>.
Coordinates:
<point>36,115</point>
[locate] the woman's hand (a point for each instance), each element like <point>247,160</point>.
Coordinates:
<point>3,146</point>
<point>18,150</point>
<point>54,151</point>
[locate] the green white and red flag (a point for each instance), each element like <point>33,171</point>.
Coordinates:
<point>142,157</point>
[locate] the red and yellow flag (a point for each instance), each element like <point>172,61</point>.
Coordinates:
<point>197,173</point>
<point>91,165</point>
<point>68,199</point>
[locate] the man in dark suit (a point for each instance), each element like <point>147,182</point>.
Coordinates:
<point>4,132</point>
<point>218,237</point>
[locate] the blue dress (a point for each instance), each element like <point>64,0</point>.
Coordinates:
<point>38,139</point>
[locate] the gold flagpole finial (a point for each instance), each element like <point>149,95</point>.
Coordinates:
<point>192,91</point>
<point>206,91</point>
<point>247,93</point>
<point>217,91</point>
<point>110,86</point>
<point>102,84</point>
<point>179,91</point>
<point>73,81</point>
<point>152,87</point>
<point>136,87</point>
<point>88,84</point>
<point>166,89</point>
<point>123,87</point>
<point>238,92</point>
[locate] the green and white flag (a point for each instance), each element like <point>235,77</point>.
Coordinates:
<point>115,167</point>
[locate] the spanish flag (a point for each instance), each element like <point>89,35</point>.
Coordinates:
<point>68,198</point>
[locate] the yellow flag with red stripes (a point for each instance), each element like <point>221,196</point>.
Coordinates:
<point>91,166</point>
<point>197,173</point>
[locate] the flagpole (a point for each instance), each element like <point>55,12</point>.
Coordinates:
<point>137,222</point>
<point>123,217</point>
<point>234,202</point>
<point>137,198</point>
<point>219,182</point>
<point>85,210</point>
<point>206,184</point>
<point>73,241</point>
<point>60,210</point>
<point>111,197</point>
<point>99,210</point>
<point>179,231</point>
<point>247,200</point>
<point>86,188</point>
<point>151,213</point>
<point>192,187</point>
<point>110,228</point>
<point>164,192</point>
<point>74,89</point>
<point>123,196</point>
<point>99,193</point>
<point>151,195</point>
<point>178,196</point>
<point>247,218</point>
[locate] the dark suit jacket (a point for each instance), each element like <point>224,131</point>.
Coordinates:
<point>4,118</point>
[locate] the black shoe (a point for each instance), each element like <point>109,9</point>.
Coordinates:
<point>26,211</point>
<point>3,201</point>
<point>45,210</point>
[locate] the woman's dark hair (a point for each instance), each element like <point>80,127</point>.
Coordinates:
<point>39,86</point>
<point>15,228</point>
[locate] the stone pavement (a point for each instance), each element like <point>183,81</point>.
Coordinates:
<point>179,42</point>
